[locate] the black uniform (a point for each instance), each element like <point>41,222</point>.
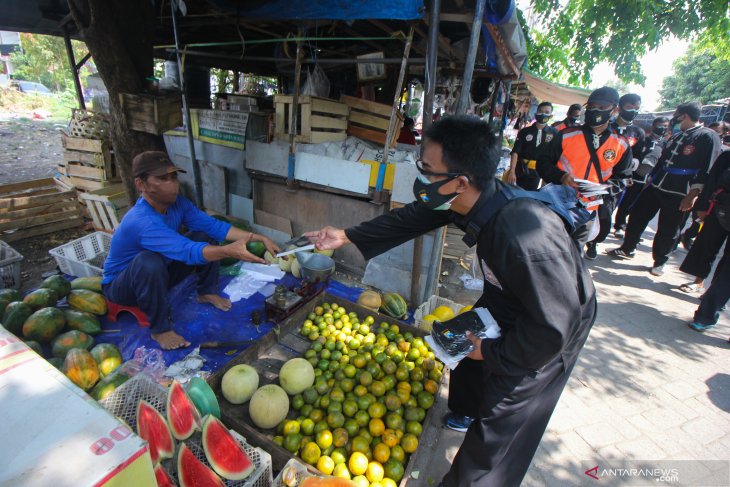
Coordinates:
<point>631,194</point>
<point>528,145</point>
<point>542,297</point>
<point>684,165</point>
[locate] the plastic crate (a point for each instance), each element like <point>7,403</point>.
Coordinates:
<point>83,257</point>
<point>9,266</point>
<point>430,305</point>
<point>122,403</point>
<point>293,468</point>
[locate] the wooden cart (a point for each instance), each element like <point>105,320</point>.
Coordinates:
<point>270,353</point>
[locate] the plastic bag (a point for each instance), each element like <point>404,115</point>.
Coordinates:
<point>187,368</point>
<point>317,83</point>
<point>449,341</point>
<point>150,361</point>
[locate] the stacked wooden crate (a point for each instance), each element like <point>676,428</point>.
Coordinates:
<point>369,120</point>
<point>88,164</point>
<point>106,206</point>
<point>318,119</point>
<point>37,207</point>
<point>153,114</point>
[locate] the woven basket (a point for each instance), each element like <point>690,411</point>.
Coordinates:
<point>89,125</point>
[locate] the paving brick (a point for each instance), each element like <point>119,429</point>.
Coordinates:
<point>642,448</point>
<point>599,434</point>
<point>703,430</point>
<point>663,418</point>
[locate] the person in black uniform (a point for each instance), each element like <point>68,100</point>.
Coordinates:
<point>629,106</point>
<point>536,287</point>
<point>572,119</point>
<point>676,181</point>
<point>528,144</point>
<point>648,154</point>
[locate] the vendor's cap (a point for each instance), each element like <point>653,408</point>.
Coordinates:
<point>605,95</point>
<point>153,163</point>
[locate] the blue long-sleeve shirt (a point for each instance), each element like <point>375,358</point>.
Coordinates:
<point>143,228</point>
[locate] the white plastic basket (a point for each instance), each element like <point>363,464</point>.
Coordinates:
<point>430,305</point>
<point>9,266</point>
<point>295,467</point>
<point>83,257</point>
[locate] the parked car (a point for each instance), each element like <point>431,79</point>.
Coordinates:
<point>33,87</point>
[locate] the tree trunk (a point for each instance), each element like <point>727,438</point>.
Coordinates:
<point>119,34</point>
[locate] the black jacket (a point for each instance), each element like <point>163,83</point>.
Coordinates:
<point>536,285</point>
<point>719,177</point>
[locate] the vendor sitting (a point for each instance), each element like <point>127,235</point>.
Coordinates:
<point>148,255</point>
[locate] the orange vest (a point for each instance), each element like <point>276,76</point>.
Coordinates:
<point>575,158</point>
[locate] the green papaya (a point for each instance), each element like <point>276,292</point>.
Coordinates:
<point>109,384</point>
<point>10,295</point>
<point>43,325</point>
<point>56,362</point>
<point>15,315</point>
<point>88,283</point>
<point>58,284</point>
<point>41,298</point>
<point>82,321</point>
<point>71,339</point>
<point>35,346</point>
<point>3,304</point>
<point>108,358</point>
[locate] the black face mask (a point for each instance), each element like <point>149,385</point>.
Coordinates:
<point>726,140</point>
<point>659,130</point>
<point>596,117</point>
<point>675,121</point>
<point>542,118</point>
<point>428,193</point>
<point>628,115</point>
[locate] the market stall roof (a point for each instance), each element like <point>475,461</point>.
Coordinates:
<point>546,90</point>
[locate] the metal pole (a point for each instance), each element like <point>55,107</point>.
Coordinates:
<point>471,57</point>
<point>74,69</point>
<point>431,58</point>
<point>290,182</point>
<point>390,60</point>
<point>186,111</point>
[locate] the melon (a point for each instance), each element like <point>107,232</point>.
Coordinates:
<point>239,383</point>
<point>152,428</point>
<point>182,415</point>
<point>224,453</point>
<point>269,406</point>
<point>296,269</point>
<point>270,258</point>
<point>191,472</point>
<point>328,252</point>
<point>296,375</point>
<point>163,478</point>
<point>394,305</point>
<point>285,263</point>
<point>370,299</point>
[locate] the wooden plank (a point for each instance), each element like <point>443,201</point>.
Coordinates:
<point>273,221</point>
<point>66,222</point>
<point>280,120</point>
<point>363,118</point>
<point>322,122</point>
<point>37,210</point>
<point>25,185</point>
<point>329,106</point>
<point>35,220</point>
<point>89,158</point>
<point>319,137</point>
<point>88,184</point>
<point>94,214</point>
<point>82,144</point>
<point>367,134</point>
<point>367,106</point>
<point>103,216</point>
<point>31,201</point>
<point>86,172</point>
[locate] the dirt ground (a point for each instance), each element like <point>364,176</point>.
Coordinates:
<point>30,149</point>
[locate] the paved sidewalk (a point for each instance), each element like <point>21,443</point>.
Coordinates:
<point>646,387</point>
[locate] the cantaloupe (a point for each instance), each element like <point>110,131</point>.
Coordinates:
<point>269,406</point>
<point>239,383</point>
<point>296,375</point>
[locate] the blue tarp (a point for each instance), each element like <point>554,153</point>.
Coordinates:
<point>325,9</point>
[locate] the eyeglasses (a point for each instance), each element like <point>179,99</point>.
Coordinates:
<point>427,173</point>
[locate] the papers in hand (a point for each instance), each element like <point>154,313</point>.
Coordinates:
<point>449,341</point>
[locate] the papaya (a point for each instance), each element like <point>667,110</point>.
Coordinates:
<point>108,358</point>
<point>370,299</point>
<point>41,298</point>
<point>43,325</point>
<point>10,295</point>
<point>15,315</point>
<point>394,305</point>
<point>56,362</point>
<point>327,482</point>
<point>71,339</point>
<point>88,283</point>
<point>58,284</point>
<point>81,368</point>
<point>109,384</point>
<point>35,346</point>
<point>89,301</point>
<point>82,321</point>
<point>3,304</point>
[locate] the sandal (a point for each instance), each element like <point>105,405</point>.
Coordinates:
<point>691,287</point>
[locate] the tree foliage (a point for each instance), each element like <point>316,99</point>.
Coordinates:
<point>701,75</point>
<point>575,36</point>
<point>43,59</point>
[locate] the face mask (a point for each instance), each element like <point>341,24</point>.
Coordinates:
<point>428,193</point>
<point>660,130</point>
<point>542,118</point>
<point>726,140</point>
<point>596,117</point>
<point>628,115</point>
<point>675,121</point>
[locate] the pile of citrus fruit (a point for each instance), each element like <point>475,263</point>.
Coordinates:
<point>364,414</point>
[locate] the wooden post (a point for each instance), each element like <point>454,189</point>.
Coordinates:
<point>290,181</point>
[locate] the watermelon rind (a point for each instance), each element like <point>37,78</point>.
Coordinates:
<point>152,427</point>
<point>224,453</point>
<point>182,415</point>
<point>191,472</point>
<point>163,478</point>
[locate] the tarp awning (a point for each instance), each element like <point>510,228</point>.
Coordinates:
<point>556,93</point>
<point>325,9</point>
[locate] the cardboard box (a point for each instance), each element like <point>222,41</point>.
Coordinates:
<point>55,435</point>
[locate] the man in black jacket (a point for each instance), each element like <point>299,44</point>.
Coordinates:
<point>528,144</point>
<point>677,180</point>
<point>536,287</point>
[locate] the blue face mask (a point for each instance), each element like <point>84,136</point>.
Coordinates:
<point>428,193</point>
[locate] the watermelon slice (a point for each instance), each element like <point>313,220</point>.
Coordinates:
<point>163,478</point>
<point>224,453</point>
<point>182,415</point>
<point>191,472</point>
<point>152,428</point>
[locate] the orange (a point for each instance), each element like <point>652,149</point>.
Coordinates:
<point>410,443</point>
<point>397,454</point>
<point>311,453</point>
<point>443,313</point>
<point>325,465</point>
<point>389,438</point>
<point>324,439</point>
<point>377,388</point>
<point>377,410</point>
<point>376,427</point>
<point>375,472</point>
<point>341,471</point>
<point>465,309</point>
<point>394,470</point>
<point>340,437</point>
<point>361,481</point>
<point>360,444</point>
<point>414,428</point>
<point>381,452</point>
<point>358,463</point>
<point>388,483</point>
<point>430,386</point>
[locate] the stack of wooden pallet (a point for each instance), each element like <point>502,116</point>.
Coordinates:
<point>88,164</point>
<point>318,119</point>
<point>369,120</point>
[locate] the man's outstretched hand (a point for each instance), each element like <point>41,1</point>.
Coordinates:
<point>328,238</point>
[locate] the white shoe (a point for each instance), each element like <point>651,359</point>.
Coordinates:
<point>657,271</point>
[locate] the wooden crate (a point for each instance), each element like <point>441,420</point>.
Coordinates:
<point>36,207</point>
<point>318,119</point>
<point>369,120</point>
<point>267,356</point>
<point>106,206</point>
<point>152,114</point>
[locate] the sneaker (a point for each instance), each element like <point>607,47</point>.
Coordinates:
<point>657,270</point>
<point>700,327</point>
<point>457,422</point>
<point>591,251</point>
<point>620,253</point>
<point>687,242</point>
<point>618,233</point>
